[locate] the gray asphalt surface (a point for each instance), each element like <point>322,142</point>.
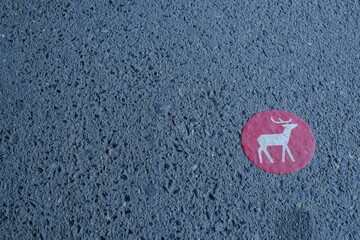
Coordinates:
<point>122,119</point>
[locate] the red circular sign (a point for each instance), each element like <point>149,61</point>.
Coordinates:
<point>278,142</point>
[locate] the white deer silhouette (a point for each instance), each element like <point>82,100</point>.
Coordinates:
<point>281,139</point>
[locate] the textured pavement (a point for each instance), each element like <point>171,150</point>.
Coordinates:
<point>122,119</point>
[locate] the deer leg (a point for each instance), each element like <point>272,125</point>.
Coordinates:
<point>291,156</point>
<point>268,155</point>
<point>283,154</point>
<point>260,149</point>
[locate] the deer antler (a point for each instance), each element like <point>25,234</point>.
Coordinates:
<point>281,121</point>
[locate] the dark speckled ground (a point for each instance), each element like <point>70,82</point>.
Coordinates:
<point>122,120</point>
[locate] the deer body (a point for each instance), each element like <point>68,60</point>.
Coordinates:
<point>281,139</point>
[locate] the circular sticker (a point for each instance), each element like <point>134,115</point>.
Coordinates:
<point>278,142</point>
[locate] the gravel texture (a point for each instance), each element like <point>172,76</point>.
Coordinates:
<point>122,119</point>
